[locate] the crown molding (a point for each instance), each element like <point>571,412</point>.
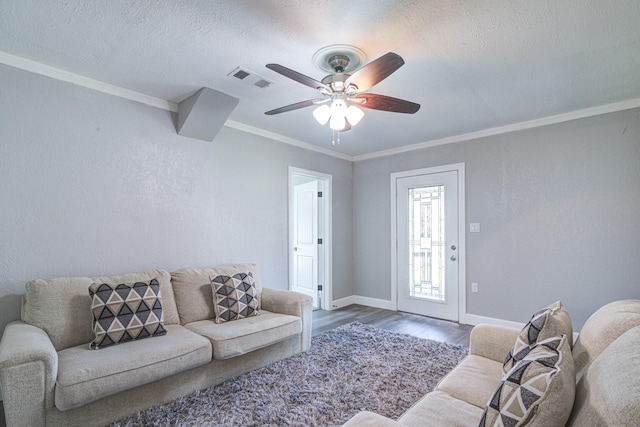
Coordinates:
<point>80,80</point>
<point>545,121</point>
<point>110,89</point>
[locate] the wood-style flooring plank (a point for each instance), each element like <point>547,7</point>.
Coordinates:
<point>396,321</point>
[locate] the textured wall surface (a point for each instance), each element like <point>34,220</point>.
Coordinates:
<point>91,184</point>
<point>94,184</point>
<point>559,212</point>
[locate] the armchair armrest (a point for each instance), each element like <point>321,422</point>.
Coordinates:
<point>293,303</point>
<point>492,342</point>
<point>286,302</point>
<point>28,371</point>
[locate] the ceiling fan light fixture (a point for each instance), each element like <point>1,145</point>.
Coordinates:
<point>354,115</point>
<point>322,114</point>
<point>338,114</point>
<point>337,122</point>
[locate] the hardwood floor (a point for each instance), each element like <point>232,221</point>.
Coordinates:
<point>396,321</point>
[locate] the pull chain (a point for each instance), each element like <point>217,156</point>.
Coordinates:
<point>333,138</point>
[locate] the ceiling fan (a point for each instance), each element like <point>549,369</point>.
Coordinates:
<point>344,92</point>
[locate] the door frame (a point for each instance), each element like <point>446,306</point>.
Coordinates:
<point>325,270</point>
<point>462,258</point>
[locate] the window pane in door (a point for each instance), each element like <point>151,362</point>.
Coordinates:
<point>426,243</point>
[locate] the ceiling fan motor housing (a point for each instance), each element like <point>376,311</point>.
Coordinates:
<point>336,82</point>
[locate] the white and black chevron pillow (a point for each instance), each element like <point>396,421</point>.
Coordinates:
<point>545,323</point>
<point>234,297</point>
<point>125,312</point>
<point>528,336</point>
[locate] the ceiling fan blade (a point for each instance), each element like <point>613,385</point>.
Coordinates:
<point>385,103</point>
<point>300,78</point>
<point>297,105</point>
<point>375,71</point>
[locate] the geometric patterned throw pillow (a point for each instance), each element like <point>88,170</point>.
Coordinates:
<point>517,399</point>
<point>125,312</point>
<point>234,297</point>
<point>532,331</point>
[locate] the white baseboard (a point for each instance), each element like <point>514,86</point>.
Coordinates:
<point>367,301</point>
<point>474,319</point>
<point>343,302</point>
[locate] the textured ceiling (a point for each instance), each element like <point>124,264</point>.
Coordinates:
<point>472,65</point>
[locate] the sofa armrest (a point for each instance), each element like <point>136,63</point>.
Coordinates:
<point>370,419</point>
<point>28,371</point>
<point>293,303</point>
<point>492,341</point>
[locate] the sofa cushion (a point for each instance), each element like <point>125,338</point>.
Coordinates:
<point>235,338</point>
<point>125,312</point>
<point>602,328</point>
<point>538,391</point>
<point>371,419</point>
<point>234,297</point>
<point>192,289</point>
<point>439,409</point>
<point>609,392</point>
<point>474,380</point>
<point>548,322</point>
<point>62,307</point>
<point>85,375</point>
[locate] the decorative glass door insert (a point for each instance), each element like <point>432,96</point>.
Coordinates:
<point>426,243</point>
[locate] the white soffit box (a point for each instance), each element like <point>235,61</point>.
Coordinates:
<point>201,115</point>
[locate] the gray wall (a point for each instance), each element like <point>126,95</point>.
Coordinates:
<point>92,184</point>
<point>559,208</point>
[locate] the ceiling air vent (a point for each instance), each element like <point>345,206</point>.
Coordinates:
<point>250,78</point>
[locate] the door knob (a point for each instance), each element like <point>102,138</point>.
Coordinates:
<point>453,258</point>
<point>295,249</point>
<point>453,247</point>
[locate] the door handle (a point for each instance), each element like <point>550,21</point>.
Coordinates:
<point>453,258</point>
<point>295,249</point>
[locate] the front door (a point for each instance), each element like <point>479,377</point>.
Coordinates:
<point>305,239</point>
<point>427,244</point>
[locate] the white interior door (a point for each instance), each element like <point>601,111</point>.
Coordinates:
<point>305,239</point>
<point>427,244</point>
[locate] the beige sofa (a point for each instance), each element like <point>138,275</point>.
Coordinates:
<point>605,362</point>
<point>49,376</point>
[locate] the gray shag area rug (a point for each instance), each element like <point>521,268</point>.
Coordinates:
<point>349,369</point>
